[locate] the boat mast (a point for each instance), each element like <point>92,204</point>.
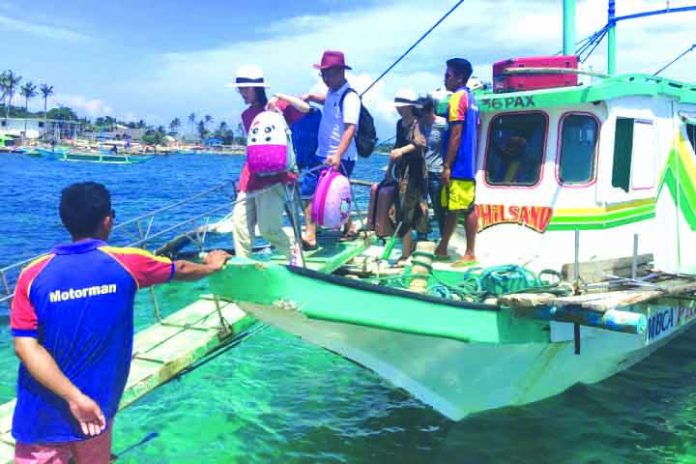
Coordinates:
<point>613,19</point>
<point>611,39</point>
<point>568,27</point>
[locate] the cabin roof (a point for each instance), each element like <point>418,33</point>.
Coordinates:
<point>624,85</point>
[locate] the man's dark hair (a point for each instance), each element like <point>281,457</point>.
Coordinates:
<point>83,206</point>
<point>461,67</point>
<point>427,104</point>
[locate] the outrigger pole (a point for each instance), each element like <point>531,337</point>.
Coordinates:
<point>613,19</point>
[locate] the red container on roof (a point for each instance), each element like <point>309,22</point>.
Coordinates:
<point>536,78</point>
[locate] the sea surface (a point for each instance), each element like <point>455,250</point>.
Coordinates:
<point>274,398</point>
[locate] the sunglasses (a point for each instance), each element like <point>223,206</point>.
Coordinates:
<point>113,214</point>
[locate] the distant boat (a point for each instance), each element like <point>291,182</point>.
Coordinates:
<point>63,154</point>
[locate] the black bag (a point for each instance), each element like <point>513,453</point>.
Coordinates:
<point>365,133</point>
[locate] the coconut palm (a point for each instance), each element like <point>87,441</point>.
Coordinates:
<point>208,119</point>
<point>174,125</point>
<point>3,86</point>
<point>28,90</point>
<point>202,131</point>
<point>192,121</point>
<point>12,80</point>
<point>46,91</point>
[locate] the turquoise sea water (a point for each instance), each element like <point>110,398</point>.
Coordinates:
<point>274,398</point>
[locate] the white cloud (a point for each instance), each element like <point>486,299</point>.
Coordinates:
<point>83,106</point>
<point>484,31</point>
<point>41,30</point>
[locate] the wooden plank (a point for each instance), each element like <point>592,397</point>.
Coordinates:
<point>160,352</point>
<point>602,302</point>
<point>6,450</point>
<point>597,271</point>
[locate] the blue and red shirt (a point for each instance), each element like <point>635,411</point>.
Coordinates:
<point>77,302</point>
<point>463,110</point>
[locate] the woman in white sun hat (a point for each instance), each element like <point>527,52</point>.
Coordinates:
<point>265,208</point>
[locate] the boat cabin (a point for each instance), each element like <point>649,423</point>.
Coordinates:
<point>590,173</point>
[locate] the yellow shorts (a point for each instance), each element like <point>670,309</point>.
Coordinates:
<point>459,196</point>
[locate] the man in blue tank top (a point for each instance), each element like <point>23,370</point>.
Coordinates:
<point>459,167</point>
<point>72,324</point>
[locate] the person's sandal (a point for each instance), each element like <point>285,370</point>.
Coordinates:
<point>306,246</point>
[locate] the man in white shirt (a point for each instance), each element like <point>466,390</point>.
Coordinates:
<point>336,139</point>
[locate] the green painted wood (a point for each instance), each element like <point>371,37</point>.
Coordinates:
<point>269,284</point>
<point>160,352</point>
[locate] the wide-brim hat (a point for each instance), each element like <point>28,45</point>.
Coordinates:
<point>406,97</point>
<point>332,59</point>
<point>249,76</point>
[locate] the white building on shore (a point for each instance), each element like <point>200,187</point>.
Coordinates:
<point>34,128</point>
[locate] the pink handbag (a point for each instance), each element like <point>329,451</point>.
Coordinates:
<point>332,200</point>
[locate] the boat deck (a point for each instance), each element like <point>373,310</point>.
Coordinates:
<point>160,352</point>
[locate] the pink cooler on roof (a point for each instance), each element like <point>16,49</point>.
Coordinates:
<point>332,200</point>
<point>269,149</point>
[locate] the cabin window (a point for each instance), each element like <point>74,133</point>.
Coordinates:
<point>3,123</point>
<point>623,147</point>
<point>516,149</point>
<point>643,171</point>
<point>634,155</point>
<point>576,162</point>
<point>41,124</point>
<point>691,135</point>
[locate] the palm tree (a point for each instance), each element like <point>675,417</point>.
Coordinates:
<point>174,125</point>
<point>202,131</point>
<point>192,121</point>
<point>208,119</point>
<point>46,91</point>
<point>28,91</point>
<point>3,86</point>
<point>12,80</point>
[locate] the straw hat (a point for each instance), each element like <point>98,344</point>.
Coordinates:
<point>249,76</point>
<point>405,97</point>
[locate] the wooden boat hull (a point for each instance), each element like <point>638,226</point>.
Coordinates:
<point>459,360</point>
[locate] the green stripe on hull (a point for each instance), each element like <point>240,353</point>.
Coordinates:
<point>599,224</point>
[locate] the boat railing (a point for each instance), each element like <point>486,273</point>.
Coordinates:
<point>149,231</point>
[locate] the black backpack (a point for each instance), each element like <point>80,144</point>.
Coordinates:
<point>365,133</point>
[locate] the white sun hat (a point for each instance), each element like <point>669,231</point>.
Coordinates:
<point>405,97</point>
<point>249,76</point>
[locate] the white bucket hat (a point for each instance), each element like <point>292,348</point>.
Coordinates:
<point>405,97</point>
<point>249,76</point>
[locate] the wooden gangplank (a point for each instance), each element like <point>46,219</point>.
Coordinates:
<point>160,352</point>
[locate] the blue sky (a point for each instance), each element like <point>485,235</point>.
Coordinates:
<point>160,59</point>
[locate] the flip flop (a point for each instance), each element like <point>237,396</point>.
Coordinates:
<point>306,246</point>
<point>461,263</point>
<point>349,236</point>
<point>443,258</point>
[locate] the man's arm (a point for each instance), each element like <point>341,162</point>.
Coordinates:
<point>314,98</point>
<point>44,369</point>
<point>346,139</point>
<point>190,271</point>
<point>296,102</point>
<point>452,147</point>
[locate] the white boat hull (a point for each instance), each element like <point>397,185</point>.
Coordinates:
<point>458,378</point>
